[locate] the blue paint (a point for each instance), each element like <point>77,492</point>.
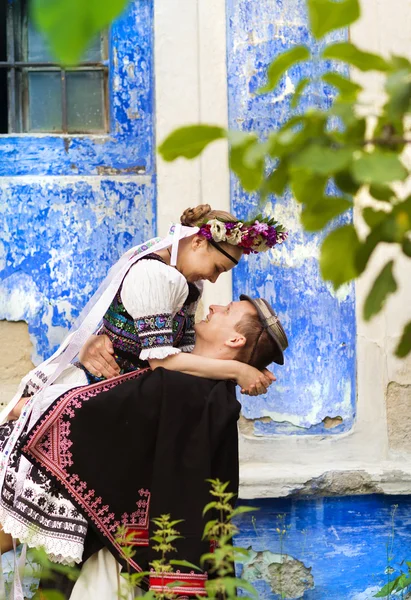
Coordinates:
<point>343,540</point>
<point>60,235</point>
<point>130,142</point>
<point>59,240</point>
<point>318,379</point>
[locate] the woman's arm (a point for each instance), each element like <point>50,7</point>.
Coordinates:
<point>215,368</point>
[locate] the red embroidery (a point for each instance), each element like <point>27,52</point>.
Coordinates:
<point>49,444</point>
<point>136,525</point>
<point>192,584</point>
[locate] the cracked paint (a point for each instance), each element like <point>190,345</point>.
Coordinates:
<point>288,577</point>
<point>61,237</point>
<point>341,543</point>
<point>130,141</point>
<point>71,205</point>
<point>318,379</point>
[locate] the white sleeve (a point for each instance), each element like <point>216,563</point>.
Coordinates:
<point>152,293</point>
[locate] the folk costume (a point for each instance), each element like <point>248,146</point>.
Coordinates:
<point>147,310</point>
<point>136,447</point>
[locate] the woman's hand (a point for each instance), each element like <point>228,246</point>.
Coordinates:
<point>254,382</point>
<point>97,355</point>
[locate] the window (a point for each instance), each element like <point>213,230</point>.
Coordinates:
<point>36,94</point>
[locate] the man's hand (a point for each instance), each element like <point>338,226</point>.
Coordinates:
<point>97,355</point>
<point>254,382</point>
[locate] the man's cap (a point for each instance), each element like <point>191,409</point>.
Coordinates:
<point>271,323</point>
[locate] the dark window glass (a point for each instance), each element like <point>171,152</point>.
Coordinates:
<point>36,94</point>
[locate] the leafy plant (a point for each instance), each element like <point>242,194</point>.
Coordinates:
<point>336,149</point>
<point>403,581</point>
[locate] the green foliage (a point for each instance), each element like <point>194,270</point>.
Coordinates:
<point>378,168</point>
<point>404,346</point>
<point>310,150</point>
<point>282,64</point>
<point>326,15</point>
<point>349,53</point>
<point>384,285</point>
<point>338,253</point>
<point>70,26</point>
<point>338,146</point>
<point>189,141</point>
<point>348,90</point>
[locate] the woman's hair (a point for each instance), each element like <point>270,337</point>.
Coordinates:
<point>192,217</point>
<point>259,349</point>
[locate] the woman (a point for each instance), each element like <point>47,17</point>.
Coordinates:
<point>147,306</point>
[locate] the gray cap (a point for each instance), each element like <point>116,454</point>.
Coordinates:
<point>271,323</point>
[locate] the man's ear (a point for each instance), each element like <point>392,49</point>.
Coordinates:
<point>236,341</point>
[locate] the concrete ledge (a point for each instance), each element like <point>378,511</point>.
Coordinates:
<point>259,480</point>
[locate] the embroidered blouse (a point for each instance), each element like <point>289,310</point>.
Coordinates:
<point>151,316</point>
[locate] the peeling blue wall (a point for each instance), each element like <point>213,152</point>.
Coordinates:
<point>71,205</point>
<point>335,548</point>
<point>318,379</point>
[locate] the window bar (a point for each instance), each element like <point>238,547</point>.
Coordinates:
<point>64,99</point>
<point>12,72</point>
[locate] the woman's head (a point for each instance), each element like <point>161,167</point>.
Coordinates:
<point>197,257</point>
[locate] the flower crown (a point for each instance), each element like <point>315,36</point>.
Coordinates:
<point>255,236</point>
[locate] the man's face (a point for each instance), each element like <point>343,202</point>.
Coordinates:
<point>219,324</point>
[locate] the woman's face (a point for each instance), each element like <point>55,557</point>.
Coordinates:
<point>199,260</point>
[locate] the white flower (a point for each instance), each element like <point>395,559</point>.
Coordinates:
<point>218,230</point>
<point>261,245</point>
<point>234,236</point>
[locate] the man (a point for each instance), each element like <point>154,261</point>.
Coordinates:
<point>141,445</point>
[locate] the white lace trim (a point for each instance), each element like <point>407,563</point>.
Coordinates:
<point>60,551</point>
<point>158,352</point>
<point>188,348</point>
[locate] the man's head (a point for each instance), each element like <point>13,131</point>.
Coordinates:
<point>247,331</point>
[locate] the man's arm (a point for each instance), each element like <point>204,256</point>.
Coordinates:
<point>215,368</point>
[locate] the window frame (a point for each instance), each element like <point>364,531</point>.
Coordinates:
<point>19,66</point>
<point>128,146</point>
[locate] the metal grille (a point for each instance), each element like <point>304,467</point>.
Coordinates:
<point>18,68</point>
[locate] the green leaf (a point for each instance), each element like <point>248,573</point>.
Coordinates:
<point>404,346</point>
<point>299,90</point>
<point>208,507</point>
<point>406,246</point>
<point>373,217</point>
<point>189,141</point>
<point>348,90</point>
<point>281,64</point>
<point>348,52</point>
<point>240,510</point>
<point>338,252</point>
<point>184,563</point>
<point>366,248</point>
<point>381,192</point>
<point>70,26</point>
<point>49,595</point>
<point>322,160</point>
<point>383,286</point>
<point>386,590</point>
<point>251,177</point>
<point>326,15</point>
<point>316,216</point>
<point>277,180</point>
<point>378,168</point>
<point>307,187</point>
<point>398,88</point>
<point>345,182</point>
